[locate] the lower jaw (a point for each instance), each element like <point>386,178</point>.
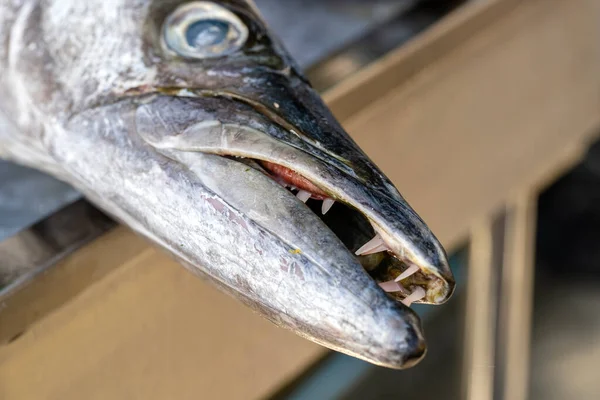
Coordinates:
<point>354,229</point>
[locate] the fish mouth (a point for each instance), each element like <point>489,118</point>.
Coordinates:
<point>352,197</point>
<point>396,274</point>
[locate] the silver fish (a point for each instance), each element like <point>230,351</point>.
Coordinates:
<point>186,120</point>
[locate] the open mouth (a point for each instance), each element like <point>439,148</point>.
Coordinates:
<point>402,280</point>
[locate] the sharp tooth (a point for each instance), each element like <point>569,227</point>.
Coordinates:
<point>326,206</point>
<point>392,286</point>
<point>372,244</point>
<point>418,294</point>
<point>381,247</point>
<point>409,271</point>
<point>303,195</point>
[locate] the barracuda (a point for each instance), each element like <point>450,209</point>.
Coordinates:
<point>190,123</point>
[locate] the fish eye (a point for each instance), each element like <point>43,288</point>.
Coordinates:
<point>203,29</point>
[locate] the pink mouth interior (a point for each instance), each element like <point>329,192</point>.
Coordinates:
<point>289,177</point>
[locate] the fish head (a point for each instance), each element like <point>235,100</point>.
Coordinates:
<point>211,128</point>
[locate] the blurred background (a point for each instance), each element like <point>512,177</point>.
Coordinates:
<point>484,113</point>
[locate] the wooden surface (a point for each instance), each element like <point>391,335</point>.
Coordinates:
<point>149,330</point>
<point>499,303</point>
<point>516,307</point>
<point>480,324</point>
<point>502,112</point>
<point>506,109</point>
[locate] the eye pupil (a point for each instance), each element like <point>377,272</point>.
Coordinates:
<point>206,33</point>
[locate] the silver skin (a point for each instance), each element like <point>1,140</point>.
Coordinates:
<point>91,95</point>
